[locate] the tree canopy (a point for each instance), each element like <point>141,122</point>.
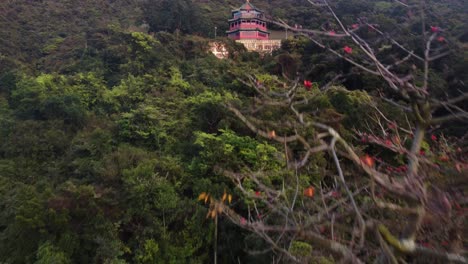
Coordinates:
<point>115,118</point>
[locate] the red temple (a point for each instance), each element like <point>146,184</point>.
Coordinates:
<point>247,23</point>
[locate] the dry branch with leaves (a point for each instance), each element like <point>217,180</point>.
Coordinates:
<point>372,208</point>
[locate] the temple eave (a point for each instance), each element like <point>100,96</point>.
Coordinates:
<point>247,29</point>
<point>243,9</point>
<point>239,18</point>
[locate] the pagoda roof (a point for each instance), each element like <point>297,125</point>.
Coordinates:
<point>247,6</point>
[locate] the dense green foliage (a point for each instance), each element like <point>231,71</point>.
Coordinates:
<point>109,133</point>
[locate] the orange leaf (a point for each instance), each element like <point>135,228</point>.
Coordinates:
<point>368,160</point>
<point>444,158</point>
<point>309,192</point>
<point>272,134</point>
<point>202,196</point>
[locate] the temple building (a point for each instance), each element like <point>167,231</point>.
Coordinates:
<point>247,26</point>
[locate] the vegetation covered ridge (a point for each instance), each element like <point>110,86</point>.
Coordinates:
<point>124,140</point>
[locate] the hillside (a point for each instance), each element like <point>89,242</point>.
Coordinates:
<point>124,140</point>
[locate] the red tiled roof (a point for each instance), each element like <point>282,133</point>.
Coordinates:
<point>247,6</point>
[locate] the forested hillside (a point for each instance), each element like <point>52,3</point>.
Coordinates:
<point>124,140</point>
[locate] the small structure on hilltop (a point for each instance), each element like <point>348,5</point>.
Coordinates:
<point>219,50</point>
<point>248,26</point>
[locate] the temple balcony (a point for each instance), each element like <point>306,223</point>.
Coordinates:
<point>247,26</point>
<point>248,15</point>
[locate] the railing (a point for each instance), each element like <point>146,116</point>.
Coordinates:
<point>244,26</point>
<point>248,16</point>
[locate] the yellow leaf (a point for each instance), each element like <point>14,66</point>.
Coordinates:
<point>207,197</point>
<point>213,214</point>
<point>208,214</point>
<point>229,198</point>
<point>224,197</point>
<point>201,196</point>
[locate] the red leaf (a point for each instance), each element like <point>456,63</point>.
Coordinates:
<point>433,137</point>
<point>348,50</point>
<point>307,84</point>
<point>388,142</point>
<point>243,221</point>
<point>435,29</point>
<point>441,39</point>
